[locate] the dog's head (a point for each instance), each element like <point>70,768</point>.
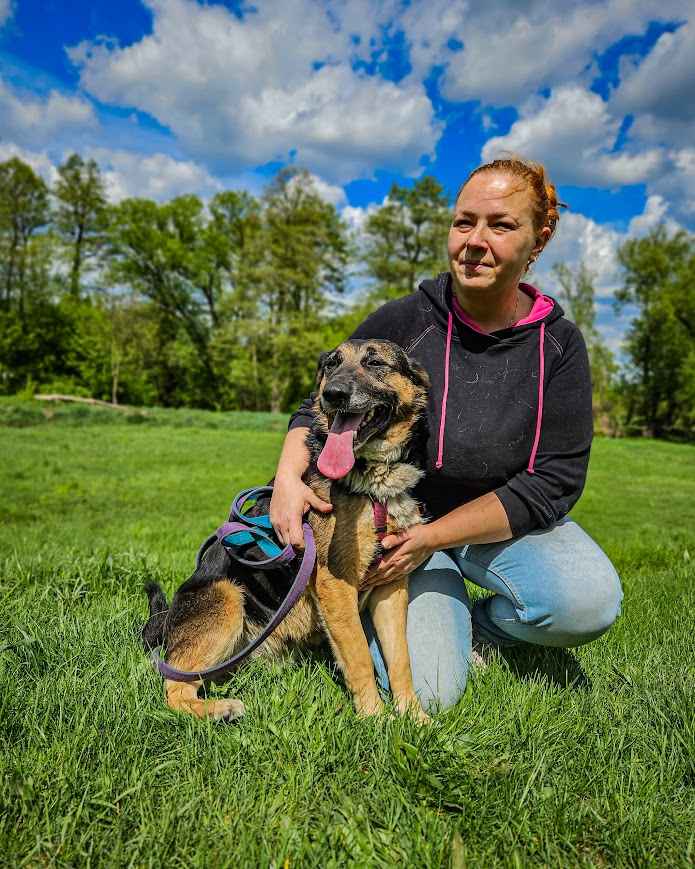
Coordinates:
<point>370,399</point>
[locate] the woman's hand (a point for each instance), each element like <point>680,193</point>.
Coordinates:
<point>291,499</point>
<point>406,551</point>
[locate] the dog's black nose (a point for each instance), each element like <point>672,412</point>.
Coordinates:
<point>337,392</point>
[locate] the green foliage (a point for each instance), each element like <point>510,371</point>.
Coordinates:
<point>575,758</point>
<point>660,283</point>
<point>406,238</point>
<point>80,216</point>
<point>23,210</point>
<point>226,304</point>
<point>577,297</point>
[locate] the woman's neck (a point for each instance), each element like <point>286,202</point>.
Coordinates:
<point>493,312</point>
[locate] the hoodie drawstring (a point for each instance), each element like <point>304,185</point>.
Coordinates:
<point>539,409</point>
<point>539,406</point>
<point>445,393</point>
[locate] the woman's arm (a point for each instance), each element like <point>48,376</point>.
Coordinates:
<point>483,520</point>
<point>291,496</point>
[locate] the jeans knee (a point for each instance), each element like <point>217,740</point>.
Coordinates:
<point>590,614</point>
<point>440,690</point>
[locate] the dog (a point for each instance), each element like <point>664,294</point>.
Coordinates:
<point>366,445</point>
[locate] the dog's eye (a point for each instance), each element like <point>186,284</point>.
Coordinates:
<point>374,362</point>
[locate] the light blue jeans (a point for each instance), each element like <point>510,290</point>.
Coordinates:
<point>550,588</point>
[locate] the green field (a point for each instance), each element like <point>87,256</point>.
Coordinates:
<point>559,758</point>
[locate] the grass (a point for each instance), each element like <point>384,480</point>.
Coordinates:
<point>552,758</point>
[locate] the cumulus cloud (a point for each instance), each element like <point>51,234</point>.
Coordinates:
<point>572,132</point>
<point>272,85</point>
<point>580,239</point>
<point>503,51</point>
<point>6,11</point>
<point>658,89</point>
<point>331,193</point>
<point>151,176</point>
<point>39,161</point>
<point>36,120</point>
<point>676,184</point>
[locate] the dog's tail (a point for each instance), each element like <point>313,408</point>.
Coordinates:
<point>153,630</point>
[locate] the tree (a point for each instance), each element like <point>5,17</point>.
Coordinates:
<point>405,240</point>
<point>302,260</point>
<point>80,215</point>
<point>578,298</point>
<point>659,280</point>
<point>159,251</point>
<point>23,211</point>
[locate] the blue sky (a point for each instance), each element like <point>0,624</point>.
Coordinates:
<point>174,96</point>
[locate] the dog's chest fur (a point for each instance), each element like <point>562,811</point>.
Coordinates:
<point>346,538</point>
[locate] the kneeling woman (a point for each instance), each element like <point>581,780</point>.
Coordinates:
<point>510,433</point>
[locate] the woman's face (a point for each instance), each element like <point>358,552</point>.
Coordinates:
<point>492,235</point>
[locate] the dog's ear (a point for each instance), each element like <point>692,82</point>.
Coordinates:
<point>323,358</point>
<point>417,373</point>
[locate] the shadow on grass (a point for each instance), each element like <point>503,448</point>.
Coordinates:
<point>558,666</point>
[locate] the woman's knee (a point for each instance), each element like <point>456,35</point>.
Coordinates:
<point>592,611</point>
<point>555,588</point>
<point>583,610</point>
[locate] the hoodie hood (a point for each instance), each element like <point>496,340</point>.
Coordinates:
<point>438,299</point>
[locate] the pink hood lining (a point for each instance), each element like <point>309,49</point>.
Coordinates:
<point>542,306</point>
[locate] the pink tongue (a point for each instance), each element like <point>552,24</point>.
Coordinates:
<point>337,457</point>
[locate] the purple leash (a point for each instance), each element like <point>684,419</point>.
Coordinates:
<point>247,525</point>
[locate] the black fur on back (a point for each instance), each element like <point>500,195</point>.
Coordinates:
<point>152,633</point>
<point>263,591</point>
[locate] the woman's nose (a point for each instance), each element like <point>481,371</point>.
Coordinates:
<point>476,237</point>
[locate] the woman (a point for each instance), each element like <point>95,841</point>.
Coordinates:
<point>510,432</point>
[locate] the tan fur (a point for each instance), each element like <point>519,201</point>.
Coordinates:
<point>346,543</point>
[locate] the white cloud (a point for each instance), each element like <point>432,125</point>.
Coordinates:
<point>276,84</point>
<point>331,193</point>
<point>151,176</point>
<point>676,184</point>
<point>6,11</point>
<point>36,121</point>
<point>659,89</point>
<point>572,133</point>
<point>654,213</point>
<point>39,161</point>
<point>579,239</point>
<point>512,49</point>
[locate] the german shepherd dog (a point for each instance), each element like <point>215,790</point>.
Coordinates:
<point>365,445</point>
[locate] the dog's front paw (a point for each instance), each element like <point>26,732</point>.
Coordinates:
<point>227,710</point>
<point>411,706</point>
<point>365,707</point>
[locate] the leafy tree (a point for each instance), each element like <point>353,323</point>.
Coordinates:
<point>161,252</point>
<point>297,266</point>
<point>80,214</point>
<point>659,280</point>
<point>23,211</point>
<point>405,239</point>
<point>578,299</point>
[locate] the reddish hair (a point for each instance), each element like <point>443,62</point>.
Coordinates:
<point>543,193</point>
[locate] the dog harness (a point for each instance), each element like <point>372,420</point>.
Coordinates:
<point>235,535</point>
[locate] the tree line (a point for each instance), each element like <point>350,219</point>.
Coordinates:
<point>226,304</point>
